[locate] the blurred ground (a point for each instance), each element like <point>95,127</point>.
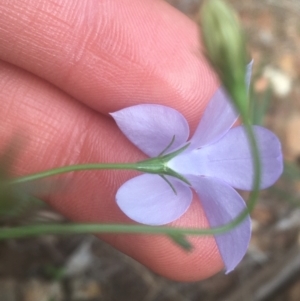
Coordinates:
<point>79,268</point>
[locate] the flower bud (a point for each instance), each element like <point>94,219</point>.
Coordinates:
<point>225,45</point>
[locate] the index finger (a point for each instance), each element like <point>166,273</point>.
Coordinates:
<point>110,54</point>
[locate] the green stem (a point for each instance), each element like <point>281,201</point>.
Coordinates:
<point>70,168</point>
<point>155,165</point>
<point>256,164</point>
<point>239,95</point>
<point>60,229</point>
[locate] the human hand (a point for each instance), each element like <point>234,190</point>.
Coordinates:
<point>64,65</point>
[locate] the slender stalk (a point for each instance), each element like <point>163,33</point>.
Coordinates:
<point>254,150</point>
<point>257,167</point>
<point>226,50</point>
<point>71,168</point>
<point>152,165</point>
<point>240,94</point>
<point>61,229</point>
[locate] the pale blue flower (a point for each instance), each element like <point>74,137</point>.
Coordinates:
<point>217,160</point>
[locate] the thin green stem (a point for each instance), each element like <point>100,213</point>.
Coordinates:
<point>256,164</point>
<point>71,168</point>
<point>240,94</point>
<point>60,229</point>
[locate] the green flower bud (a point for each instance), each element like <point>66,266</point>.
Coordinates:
<point>225,46</point>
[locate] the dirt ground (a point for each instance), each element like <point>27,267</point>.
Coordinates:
<point>82,268</point>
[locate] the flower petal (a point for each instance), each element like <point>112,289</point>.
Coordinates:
<point>222,204</point>
<point>149,199</point>
<point>230,159</point>
<point>217,119</point>
<point>219,116</point>
<point>152,127</point>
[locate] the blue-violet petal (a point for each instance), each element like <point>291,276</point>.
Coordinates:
<point>149,199</point>
<point>222,204</point>
<point>230,159</point>
<point>219,116</point>
<point>152,127</point>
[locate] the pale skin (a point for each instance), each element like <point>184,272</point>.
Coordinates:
<point>64,65</point>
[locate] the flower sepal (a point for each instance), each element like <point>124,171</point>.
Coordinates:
<point>158,165</point>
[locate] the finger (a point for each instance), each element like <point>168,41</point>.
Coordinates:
<point>62,131</point>
<point>110,54</point>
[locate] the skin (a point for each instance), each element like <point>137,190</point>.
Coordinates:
<point>64,65</point>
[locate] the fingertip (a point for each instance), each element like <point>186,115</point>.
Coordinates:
<point>112,54</point>
<point>164,257</point>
